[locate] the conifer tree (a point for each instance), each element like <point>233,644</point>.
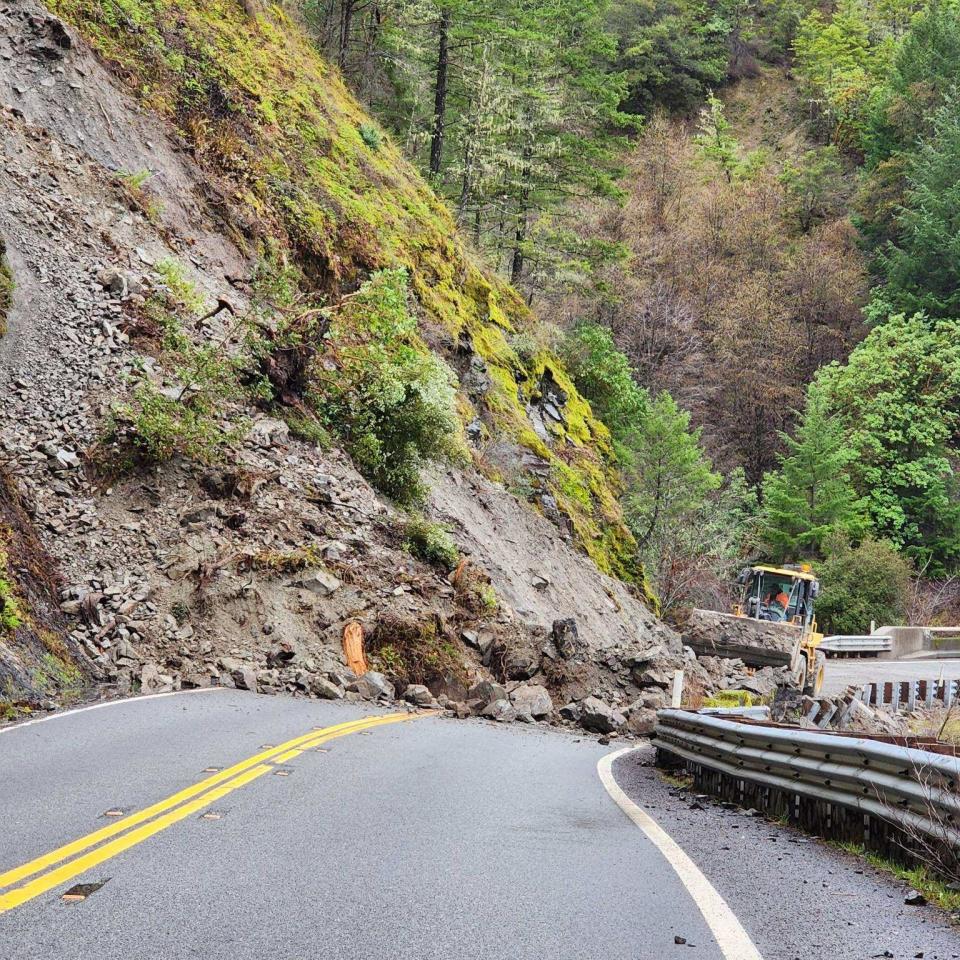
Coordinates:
<point>810,497</point>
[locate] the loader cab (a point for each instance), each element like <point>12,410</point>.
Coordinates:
<point>778,594</point>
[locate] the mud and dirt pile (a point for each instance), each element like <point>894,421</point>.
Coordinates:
<point>137,228</point>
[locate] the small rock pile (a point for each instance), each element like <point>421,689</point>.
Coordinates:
<point>846,712</point>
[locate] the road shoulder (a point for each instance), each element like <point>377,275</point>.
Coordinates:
<point>796,896</point>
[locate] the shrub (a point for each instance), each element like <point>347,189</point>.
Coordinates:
<point>410,650</point>
<point>383,393</point>
<point>185,418</point>
<point>6,290</point>
<point>730,698</point>
<point>431,543</point>
<point>11,614</point>
<point>183,290</point>
<point>604,376</point>
<point>370,135</point>
<point>863,583</point>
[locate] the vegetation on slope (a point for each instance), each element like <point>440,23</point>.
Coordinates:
<point>37,658</point>
<point>305,170</point>
<point>737,275</point>
<point>6,289</point>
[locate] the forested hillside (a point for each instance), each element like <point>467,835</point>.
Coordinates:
<point>744,217</point>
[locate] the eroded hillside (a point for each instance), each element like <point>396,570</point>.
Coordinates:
<point>244,170</point>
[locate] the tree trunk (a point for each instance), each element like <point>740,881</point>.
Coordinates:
<point>440,94</point>
<point>523,212</point>
<point>346,27</point>
<point>466,186</point>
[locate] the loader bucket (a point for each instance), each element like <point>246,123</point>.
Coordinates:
<point>758,643</point>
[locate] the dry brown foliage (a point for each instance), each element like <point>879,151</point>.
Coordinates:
<point>723,302</point>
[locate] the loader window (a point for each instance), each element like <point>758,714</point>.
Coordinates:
<point>771,598</point>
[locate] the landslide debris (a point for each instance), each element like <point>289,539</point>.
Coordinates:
<point>238,553</point>
<point>40,664</point>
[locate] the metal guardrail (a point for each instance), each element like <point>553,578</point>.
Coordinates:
<point>873,643</point>
<point>751,713</point>
<point>907,695</point>
<point>916,790</point>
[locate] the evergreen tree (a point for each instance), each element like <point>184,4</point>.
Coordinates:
<point>669,477</point>
<point>672,52</point>
<point>811,496</point>
<point>716,139</point>
<point>922,267</point>
<point>898,398</point>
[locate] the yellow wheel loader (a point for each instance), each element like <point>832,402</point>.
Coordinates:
<point>772,625</point>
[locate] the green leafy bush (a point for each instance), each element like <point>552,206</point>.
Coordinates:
<point>898,399</point>
<point>604,375</point>
<point>861,583</point>
<point>184,418</point>
<point>370,135</point>
<point>730,698</point>
<point>383,393</point>
<point>6,290</point>
<point>431,543</point>
<point>179,285</point>
<point>11,616</point>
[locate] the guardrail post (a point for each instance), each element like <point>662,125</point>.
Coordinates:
<point>895,699</point>
<point>947,693</point>
<point>912,696</point>
<point>677,695</point>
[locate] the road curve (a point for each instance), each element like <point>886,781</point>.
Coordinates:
<point>333,837</point>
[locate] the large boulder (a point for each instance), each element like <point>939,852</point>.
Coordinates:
<point>319,582</point>
<point>600,717</point>
<point>532,700</point>
<point>418,694</point>
<point>566,638</point>
<point>373,686</point>
<point>501,710</point>
<point>245,678</point>
<point>642,721</point>
<point>487,692</point>
<point>325,689</point>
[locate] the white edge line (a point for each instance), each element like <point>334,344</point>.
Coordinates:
<point>106,703</point>
<point>733,940</point>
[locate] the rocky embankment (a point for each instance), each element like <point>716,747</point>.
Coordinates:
<point>248,573</point>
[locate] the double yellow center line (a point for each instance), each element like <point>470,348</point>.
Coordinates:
<point>80,855</point>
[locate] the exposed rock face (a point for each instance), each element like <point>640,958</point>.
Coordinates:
<point>244,574</point>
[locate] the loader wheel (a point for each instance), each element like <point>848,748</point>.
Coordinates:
<point>814,683</point>
<point>800,675</point>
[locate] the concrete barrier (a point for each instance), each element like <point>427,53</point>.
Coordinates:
<point>905,641</point>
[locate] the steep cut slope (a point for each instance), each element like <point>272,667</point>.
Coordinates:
<point>247,571</point>
<point>290,157</point>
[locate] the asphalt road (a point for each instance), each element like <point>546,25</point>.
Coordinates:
<point>427,838</point>
<point>841,673</point>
